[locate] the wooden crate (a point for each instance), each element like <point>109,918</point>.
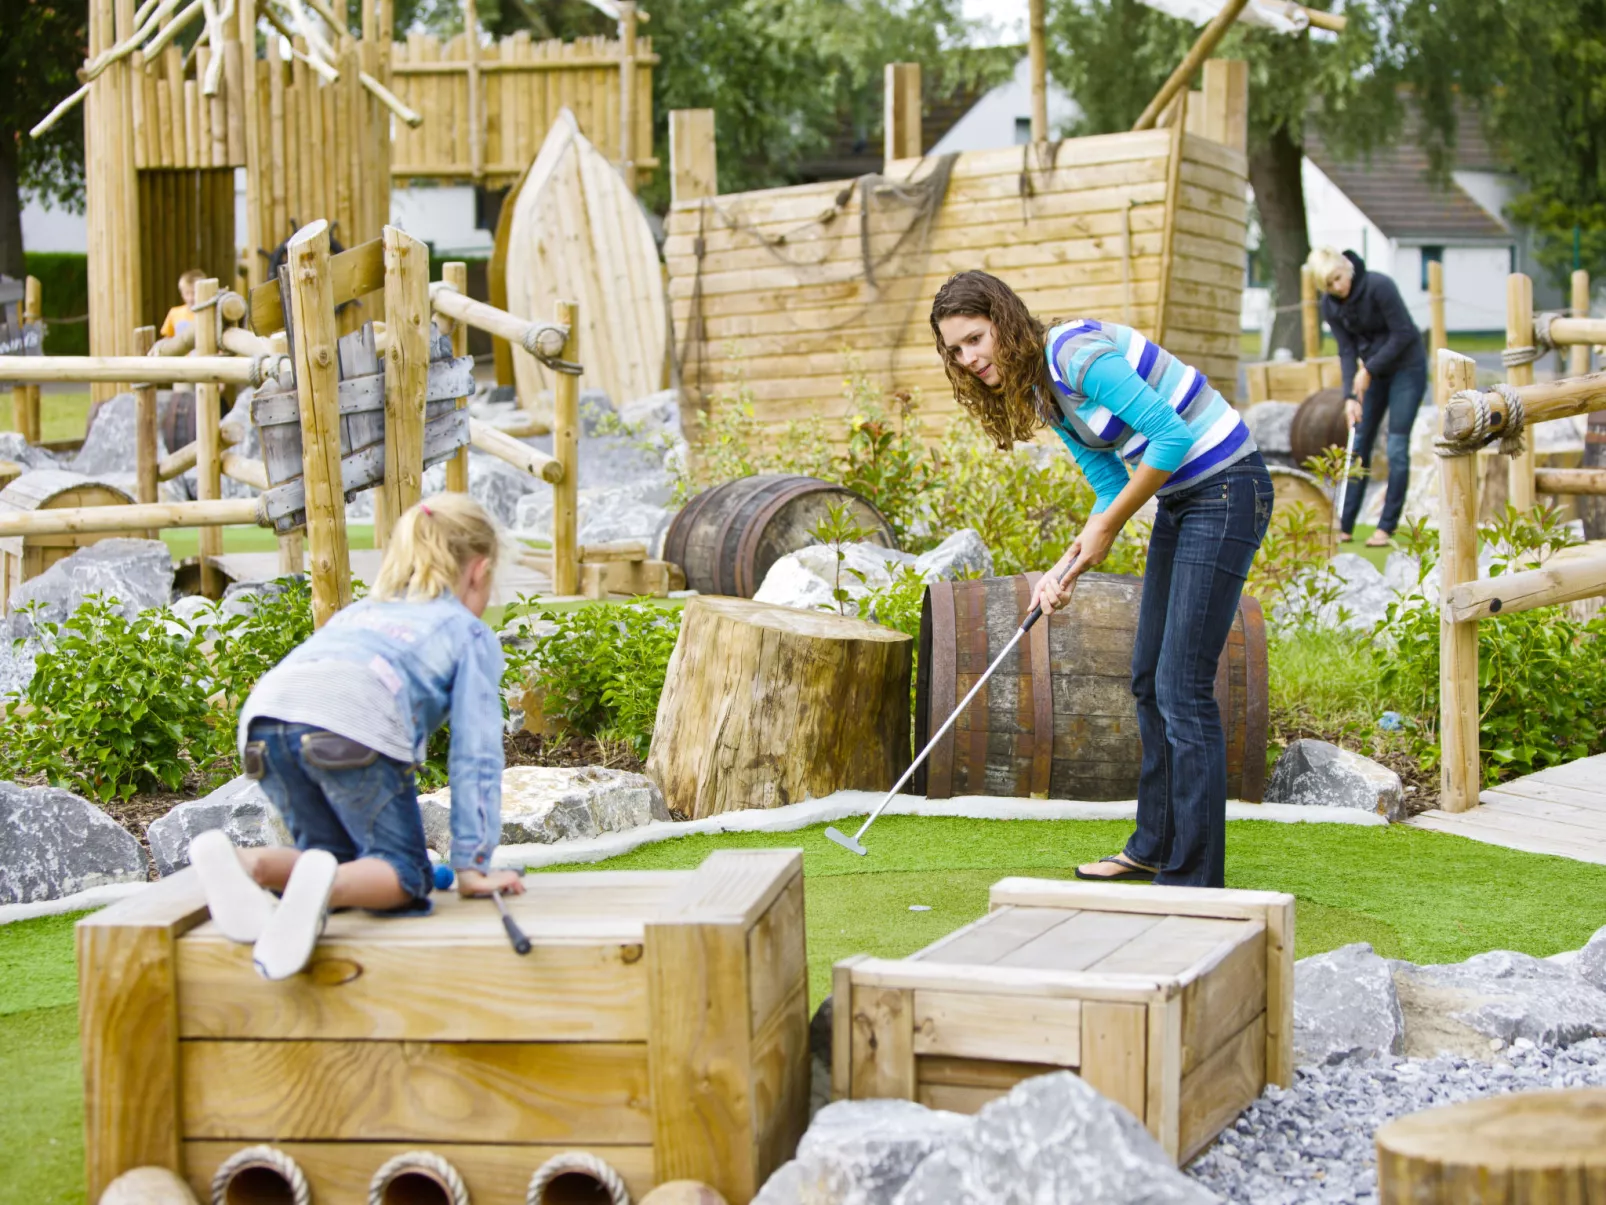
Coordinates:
<point>660,1022</point>
<point>1290,380</point>
<point>1176,1002</point>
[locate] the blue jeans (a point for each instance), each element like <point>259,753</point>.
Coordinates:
<point>364,812</point>
<point>1203,542</point>
<point>1400,396</point>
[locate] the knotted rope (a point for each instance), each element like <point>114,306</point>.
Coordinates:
<point>1515,357</point>
<point>583,1163</point>
<point>424,1163</point>
<point>1483,425</point>
<point>267,1158</point>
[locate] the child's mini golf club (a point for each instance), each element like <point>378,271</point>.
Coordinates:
<point>852,843</point>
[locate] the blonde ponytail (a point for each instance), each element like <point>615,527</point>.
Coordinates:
<point>430,546</point>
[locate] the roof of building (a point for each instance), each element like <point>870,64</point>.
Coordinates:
<point>1393,188</point>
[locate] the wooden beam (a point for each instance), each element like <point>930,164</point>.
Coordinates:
<point>407,313</point>
<point>1570,481</point>
<point>513,451</point>
<point>459,307</point>
<point>145,425</point>
<point>1310,315</point>
<point>693,159</point>
<point>356,272</point>
<point>1438,339</point>
<point>455,274</point>
<point>1569,332</point>
<point>1037,53</point>
<point>25,397</point>
<point>1511,592</point>
<point>140,516</point>
<point>1541,402</point>
<point>566,449</point>
<point>1520,333</point>
<point>1226,103</point>
<point>208,445</point>
<point>1582,350</point>
<point>191,370</point>
<point>1191,62</point>
<point>627,92</point>
<point>901,112</point>
<point>1459,774</point>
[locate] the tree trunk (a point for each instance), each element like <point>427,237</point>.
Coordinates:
<point>1274,173</point>
<point>764,706</point>
<point>11,260</point>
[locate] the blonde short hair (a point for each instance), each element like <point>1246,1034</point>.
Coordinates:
<point>1322,263</point>
<point>193,276</point>
<point>431,545</point>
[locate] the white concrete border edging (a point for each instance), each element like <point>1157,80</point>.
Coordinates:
<point>793,816</point>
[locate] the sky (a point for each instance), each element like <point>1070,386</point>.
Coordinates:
<point>1005,21</point>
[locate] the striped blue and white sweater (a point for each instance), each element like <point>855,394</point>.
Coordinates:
<point>1124,400</point>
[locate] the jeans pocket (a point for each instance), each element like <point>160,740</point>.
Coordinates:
<point>1265,498</point>
<point>330,751</point>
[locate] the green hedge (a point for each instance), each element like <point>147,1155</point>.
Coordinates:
<point>64,288</point>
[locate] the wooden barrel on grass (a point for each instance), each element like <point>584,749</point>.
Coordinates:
<point>727,537</point>
<point>1058,719</point>
<point>1318,424</point>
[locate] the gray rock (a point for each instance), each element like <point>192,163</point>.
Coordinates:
<point>19,451</point>
<point>657,413</point>
<point>545,804</point>
<point>137,573</point>
<point>597,413</point>
<point>1345,1007</point>
<point>1270,423</point>
<point>861,1152</point>
<point>110,445</point>
<point>1312,772</point>
<point>1363,594</point>
<point>807,577</point>
<point>1460,1007</point>
<point>239,808</point>
<point>621,512</point>
<point>498,486</point>
<point>961,555</point>
<point>54,844</point>
<point>1590,962</point>
<point>1052,1139</point>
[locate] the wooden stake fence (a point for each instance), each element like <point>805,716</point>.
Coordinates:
<point>25,419</point>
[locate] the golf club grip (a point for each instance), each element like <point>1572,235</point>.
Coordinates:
<point>1036,612</point>
<point>521,943</point>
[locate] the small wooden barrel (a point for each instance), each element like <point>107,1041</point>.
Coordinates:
<point>1524,1148</point>
<point>727,537</point>
<point>1071,679</point>
<point>1291,487</point>
<point>1318,425</point>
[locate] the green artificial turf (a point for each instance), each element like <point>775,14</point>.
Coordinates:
<point>61,415</point>
<point>1416,895</point>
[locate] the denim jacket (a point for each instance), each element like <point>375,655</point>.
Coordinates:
<point>439,663</point>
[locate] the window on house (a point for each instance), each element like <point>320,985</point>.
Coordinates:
<point>1430,255</point>
<point>1023,130</point>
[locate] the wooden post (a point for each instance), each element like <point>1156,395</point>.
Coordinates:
<point>1459,774</point>
<point>25,397</point>
<point>1038,55</point>
<point>627,92</point>
<point>312,322</point>
<point>456,275</point>
<point>145,437</point>
<point>902,111</point>
<point>1191,62</point>
<point>208,445</point>
<point>406,377</point>
<point>1438,338</point>
<point>476,102</point>
<point>1226,102</point>
<point>1310,314</point>
<point>1520,333</point>
<point>1579,354</point>
<point>693,165</point>
<point>566,447</point>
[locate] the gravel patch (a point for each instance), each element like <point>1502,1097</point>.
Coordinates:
<point>1313,1142</point>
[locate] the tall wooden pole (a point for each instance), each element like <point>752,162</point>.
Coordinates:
<point>24,397</point>
<point>1039,69</point>
<point>566,447</point>
<point>1191,62</point>
<point>1438,338</point>
<point>627,92</point>
<point>1310,314</point>
<point>456,275</point>
<point>145,424</point>
<point>1520,333</point>
<point>208,445</point>
<point>476,103</point>
<point>255,177</point>
<point>312,321</point>
<point>693,165</point>
<point>901,112</point>
<point>1459,775</point>
<point>407,317</point>
<point>1579,355</point>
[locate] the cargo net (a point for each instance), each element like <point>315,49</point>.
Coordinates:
<point>911,204</point>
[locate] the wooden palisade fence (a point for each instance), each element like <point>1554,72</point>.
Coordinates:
<point>1473,418</point>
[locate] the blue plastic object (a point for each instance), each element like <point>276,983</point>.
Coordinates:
<point>444,877</point>
<point>1390,721</point>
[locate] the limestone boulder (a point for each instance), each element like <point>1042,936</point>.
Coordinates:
<point>1317,773</point>
<point>54,843</point>
<point>961,555</point>
<point>137,573</point>
<point>861,1152</point>
<point>30,456</point>
<point>1590,962</point>
<point>1345,1007</point>
<point>546,804</point>
<point>239,807</point>
<point>1363,594</point>
<point>1460,1007</point>
<point>1270,424</point>
<point>806,578</point>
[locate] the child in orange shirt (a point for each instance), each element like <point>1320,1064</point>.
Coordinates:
<point>182,317</point>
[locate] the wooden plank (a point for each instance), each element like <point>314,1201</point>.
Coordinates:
<point>781,1077</point>
<point>1468,825</point>
<point>1223,999</point>
<point>1222,904</point>
<point>1115,1045</point>
<point>978,1025</point>
<point>1280,994</point>
<point>693,169</point>
<point>842,1027</point>
<point>882,1058</point>
<point>992,937</point>
<point>956,1098</point>
<point>737,886</point>
<point>1586,772</point>
<point>407,328</point>
<point>354,273</point>
<point>128,1028</point>
<point>998,1074</point>
<point>1163,1098</point>
<point>416,1091</point>
<point>1006,981</point>
<point>1082,941</point>
<point>1178,945</point>
<point>777,954</point>
<point>1557,833</point>
<point>1539,800</point>
<point>1221,1087</point>
<point>339,1172</point>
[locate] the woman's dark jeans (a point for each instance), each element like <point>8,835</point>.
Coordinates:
<point>1199,555</point>
<point>1400,394</point>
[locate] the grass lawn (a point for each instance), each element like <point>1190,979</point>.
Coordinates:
<point>185,542</point>
<point>1415,895</point>
<point>61,415</point>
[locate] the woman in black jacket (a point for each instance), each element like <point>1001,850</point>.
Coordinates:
<point>1384,371</point>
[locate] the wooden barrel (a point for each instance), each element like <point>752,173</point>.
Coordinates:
<point>1318,425</point>
<point>1071,679</point>
<point>1291,487</point>
<point>727,537</point>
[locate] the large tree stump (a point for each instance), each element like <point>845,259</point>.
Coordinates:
<point>1527,1148</point>
<point>766,705</point>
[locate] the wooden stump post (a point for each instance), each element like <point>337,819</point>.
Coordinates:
<point>1310,315</point>
<point>25,398</point>
<point>566,448</point>
<point>901,119</point>
<point>456,275</point>
<point>693,164</point>
<point>1438,338</point>
<point>145,435</point>
<point>765,706</point>
<point>208,443</point>
<point>1524,1148</point>
<point>1579,354</point>
<point>1459,776</point>
<point>1520,333</point>
<point>407,316</point>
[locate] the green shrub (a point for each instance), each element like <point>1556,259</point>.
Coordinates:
<point>64,290</point>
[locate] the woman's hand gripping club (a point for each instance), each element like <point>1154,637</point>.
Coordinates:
<point>1066,580</point>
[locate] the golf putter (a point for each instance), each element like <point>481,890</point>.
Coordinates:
<point>521,943</point>
<point>1343,486</point>
<point>852,843</point>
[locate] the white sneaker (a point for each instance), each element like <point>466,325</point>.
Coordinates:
<point>238,905</point>
<point>289,937</point>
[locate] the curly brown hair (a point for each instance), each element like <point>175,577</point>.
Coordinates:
<point>1015,410</point>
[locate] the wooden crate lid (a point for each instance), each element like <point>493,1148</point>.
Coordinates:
<point>53,489</point>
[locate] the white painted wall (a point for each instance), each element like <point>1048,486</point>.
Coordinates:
<point>993,121</point>
<point>442,217</point>
<point>50,229</point>
<point>1332,219</point>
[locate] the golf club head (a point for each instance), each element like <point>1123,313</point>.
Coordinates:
<point>845,841</point>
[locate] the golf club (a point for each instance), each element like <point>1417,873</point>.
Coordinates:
<point>1343,486</point>
<point>852,843</point>
<point>521,943</point>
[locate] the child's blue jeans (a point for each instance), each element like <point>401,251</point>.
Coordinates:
<point>367,811</point>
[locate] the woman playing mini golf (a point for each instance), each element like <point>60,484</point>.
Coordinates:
<point>1141,424</point>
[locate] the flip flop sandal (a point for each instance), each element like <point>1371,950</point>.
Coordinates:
<point>1130,872</point>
